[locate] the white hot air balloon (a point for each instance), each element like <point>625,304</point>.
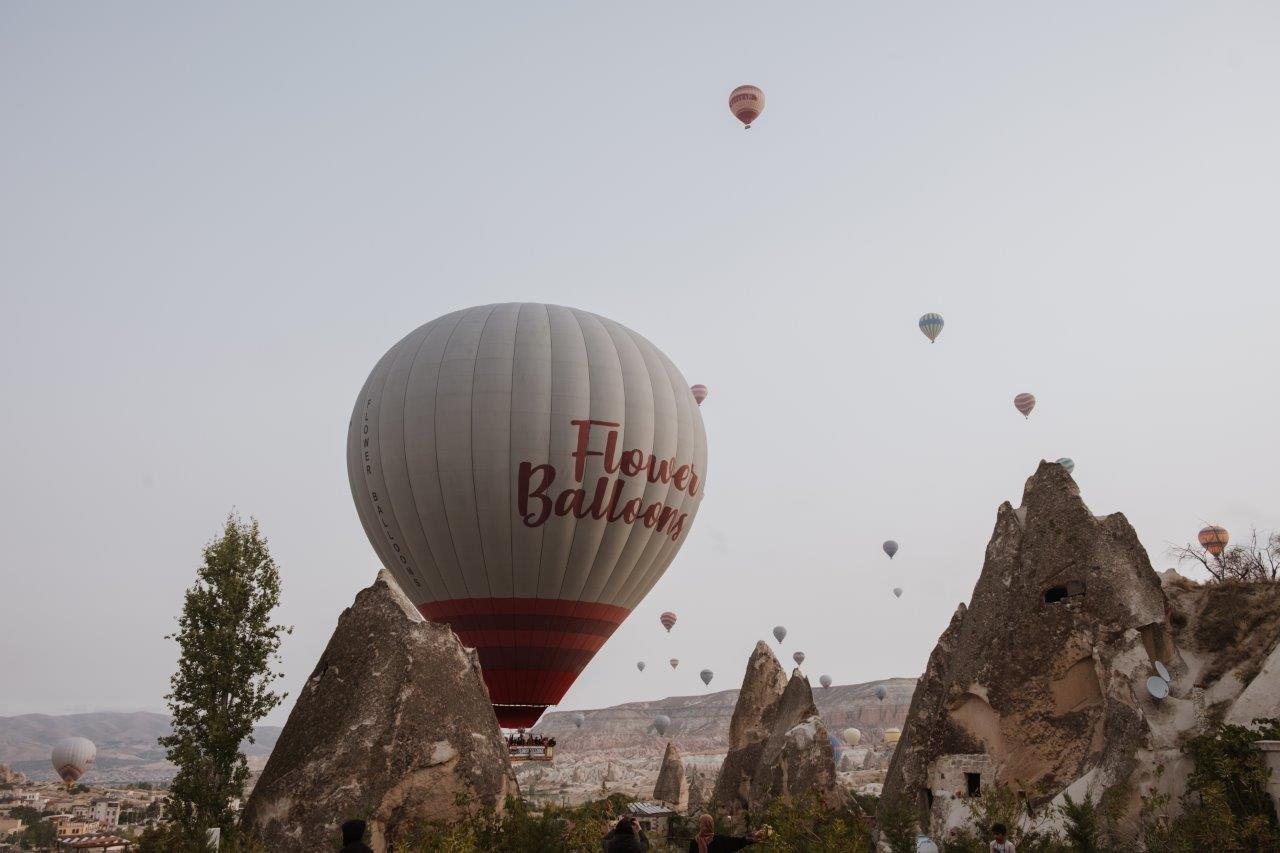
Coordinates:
<point>661,723</point>
<point>527,472</point>
<point>779,633</point>
<point>851,736</point>
<point>824,680</point>
<point>578,720</point>
<point>706,675</point>
<point>72,757</point>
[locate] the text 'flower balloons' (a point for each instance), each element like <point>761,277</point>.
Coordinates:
<point>746,103</point>
<point>527,472</point>
<point>931,324</point>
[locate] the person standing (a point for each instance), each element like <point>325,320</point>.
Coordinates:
<point>1001,843</point>
<point>706,841</point>
<point>626,837</point>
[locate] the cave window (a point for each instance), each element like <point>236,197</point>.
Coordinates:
<point>1054,594</point>
<point>973,784</point>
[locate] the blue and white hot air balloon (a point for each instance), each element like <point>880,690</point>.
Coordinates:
<point>931,324</point>
<point>1068,463</point>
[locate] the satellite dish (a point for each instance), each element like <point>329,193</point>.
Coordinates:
<point>1163,671</point>
<point>1157,687</point>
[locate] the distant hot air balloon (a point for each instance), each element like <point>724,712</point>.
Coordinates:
<point>72,757</point>
<point>524,486</point>
<point>675,662</point>
<point>798,657</point>
<point>890,547</point>
<point>706,675</point>
<point>824,680</point>
<point>851,736</point>
<point>640,665</point>
<point>1214,538</point>
<point>1024,403</point>
<point>881,692</point>
<point>931,324</point>
<point>779,633</point>
<point>668,620</point>
<point>578,720</point>
<point>897,592</point>
<point>661,723</point>
<point>1068,463</point>
<point>892,735</point>
<point>746,103</point>
<point>700,393</point>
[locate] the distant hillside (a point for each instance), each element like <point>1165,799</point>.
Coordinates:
<point>127,748</point>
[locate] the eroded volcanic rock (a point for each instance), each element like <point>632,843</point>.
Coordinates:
<point>11,777</point>
<point>1039,684</point>
<point>392,726</point>
<point>672,786</point>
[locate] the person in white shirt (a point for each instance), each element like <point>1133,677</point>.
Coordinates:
<point>1001,844</point>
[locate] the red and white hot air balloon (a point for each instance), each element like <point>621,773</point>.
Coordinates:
<point>1024,403</point>
<point>699,393</point>
<point>746,103</point>
<point>668,620</point>
<point>1214,538</point>
<point>72,757</point>
<point>527,473</point>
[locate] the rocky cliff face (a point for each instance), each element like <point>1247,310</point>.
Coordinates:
<point>672,787</point>
<point>778,744</point>
<point>393,725</point>
<point>10,777</point>
<point>1039,684</point>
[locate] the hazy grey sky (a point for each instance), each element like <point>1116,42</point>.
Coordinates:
<point>214,219</point>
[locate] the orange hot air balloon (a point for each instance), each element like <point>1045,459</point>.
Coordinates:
<point>699,393</point>
<point>668,620</point>
<point>1213,539</point>
<point>746,103</point>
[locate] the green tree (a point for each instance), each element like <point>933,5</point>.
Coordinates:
<point>229,647</point>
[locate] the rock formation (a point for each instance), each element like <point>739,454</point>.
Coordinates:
<point>672,786</point>
<point>9,778</point>
<point>1039,684</point>
<point>392,726</point>
<point>778,743</point>
<point>697,790</point>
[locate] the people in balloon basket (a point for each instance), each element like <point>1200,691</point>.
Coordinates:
<point>707,841</point>
<point>626,837</point>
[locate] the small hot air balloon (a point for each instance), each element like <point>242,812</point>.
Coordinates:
<point>897,592</point>
<point>890,547</point>
<point>661,723</point>
<point>1024,403</point>
<point>881,692</point>
<point>892,735</point>
<point>640,665</point>
<point>746,103</point>
<point>931,324</point>
<point>699,393</point>
<point>72,757</point>
<point>824,680</point>
<point>798,657</point>
<point>1214,538</point>
<point>578,719</point>
<point>1068,463</point>
<point>675,662</point>
<point>851,736</point>
<point>779,633</point>
<point>668,620</point>
<point>706,675</point>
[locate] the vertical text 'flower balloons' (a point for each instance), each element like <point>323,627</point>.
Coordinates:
<point>668,620</point>
<point>931,324</point>
<point>779,633</point>
<point>527,472</point>
<point>700,393</point>
<point>890,547</point>
<point>72,757</point>
<point>746,103</point>
<point>798,657</point>
<point>675,662</point>
<point>1024,403</point>
<point>640,665</point>
<point>1214,538</point>
<point>824,680</point>
<point>706,675</point>
<point>661,723</point>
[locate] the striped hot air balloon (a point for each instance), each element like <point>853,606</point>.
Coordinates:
<point>668,620</point>
<point>72,757</point>
<point>798,657</point>
<point>1024,403</point>
<point>675,662</point>
<point>1213,538</point>
<point>931,324</point>
<point>527,473</point>
<point>746,103</point>
<point>699,392</point>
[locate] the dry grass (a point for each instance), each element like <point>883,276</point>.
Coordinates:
<point>1239,624</point>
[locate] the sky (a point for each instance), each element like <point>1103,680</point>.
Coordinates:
<point>214,219</point>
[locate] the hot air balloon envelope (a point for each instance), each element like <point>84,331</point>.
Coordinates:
<point>700,393</point>
<point>897,592</point>
<point>1024,403</point>
<point>668,620</point>
<point>931,324</point>
<point>640,665</point>
<point>527,473</point>
<point>890,547</point>
<point>675,662</point>
<point>746,103</point>
<point>1068,463</point>
<point>851,736</point>
<point>798,657</point>
<point>779,633</point>
<point>579,719</point>
<point>892,735</point>
<point>1214,539</point>
<point>881,692</point>
<point>824,680</point>
<point>706,675</point>
<point>661,723</point>
<point>72,757</point>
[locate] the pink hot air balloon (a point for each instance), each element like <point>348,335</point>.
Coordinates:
<point>699,393</point>
<point>746,103</point>
<point>1024,403</point>
<point>668,620</point>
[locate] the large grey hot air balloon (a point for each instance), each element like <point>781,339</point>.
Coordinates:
<point>824,680</point>
<point>661,723</point>
<point>890,547</point>
<point>706,675</point>
<point>527,472</point>
<point>578,720</point>
<point>779,633</point>
<point>72,757</point>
